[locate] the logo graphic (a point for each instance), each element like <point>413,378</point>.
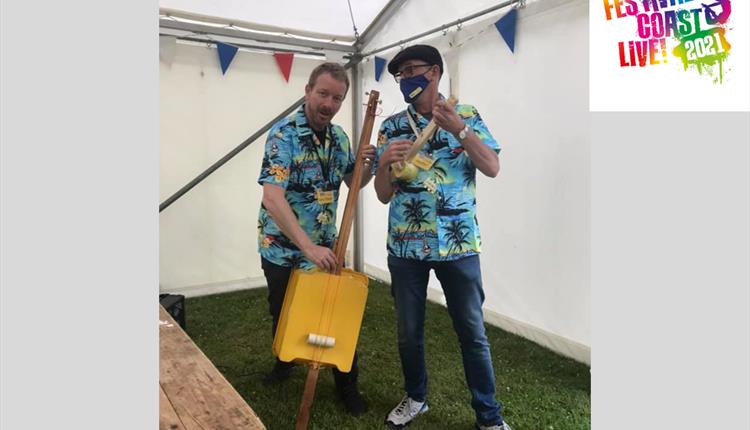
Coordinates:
<point>684,32</point>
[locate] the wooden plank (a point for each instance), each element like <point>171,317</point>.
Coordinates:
<point>168,419</point>
<point>197,393</point>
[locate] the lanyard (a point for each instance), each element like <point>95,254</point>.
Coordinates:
<point>325,168</point>
<point>413,125</point>
<point>416,131</point>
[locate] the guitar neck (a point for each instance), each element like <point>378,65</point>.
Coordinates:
<point>351,200</point>
<point>427,133</point>
<point>421,140</point>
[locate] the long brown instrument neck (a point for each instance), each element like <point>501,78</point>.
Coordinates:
<point>351,200</point>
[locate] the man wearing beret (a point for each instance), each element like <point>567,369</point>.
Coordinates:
<point>432,225</point>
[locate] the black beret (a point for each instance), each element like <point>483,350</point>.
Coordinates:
<point>426,53</point>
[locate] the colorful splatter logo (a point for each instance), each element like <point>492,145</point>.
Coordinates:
<point>692,31</point>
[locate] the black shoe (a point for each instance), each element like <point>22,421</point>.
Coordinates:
<point>354,403</point>
<point>281,372</point>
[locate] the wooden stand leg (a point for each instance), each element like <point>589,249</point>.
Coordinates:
<point>307,398</point>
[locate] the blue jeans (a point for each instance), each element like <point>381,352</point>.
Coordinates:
<point>461,281</point>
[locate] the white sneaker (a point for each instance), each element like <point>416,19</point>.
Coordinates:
<point>503,426</point>
<point>406,410</point>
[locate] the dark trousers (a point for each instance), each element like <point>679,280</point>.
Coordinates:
<point>277,278</point>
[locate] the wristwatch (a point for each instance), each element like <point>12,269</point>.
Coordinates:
<point>463,133</point>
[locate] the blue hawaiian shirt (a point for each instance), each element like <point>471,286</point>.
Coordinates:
<point>433,217</point>
<point>306,168</point>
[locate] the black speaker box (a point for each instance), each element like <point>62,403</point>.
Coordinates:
<point>175,305</point>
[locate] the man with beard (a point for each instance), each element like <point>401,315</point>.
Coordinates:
<point>432,225</point>
<point>306,159</point>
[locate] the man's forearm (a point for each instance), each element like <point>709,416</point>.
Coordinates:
<point>484,158</point>
<point>281,213</point>
<point>383,185</point>
<point>366,176</point>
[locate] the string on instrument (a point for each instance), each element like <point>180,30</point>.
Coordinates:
<point>334,279</point>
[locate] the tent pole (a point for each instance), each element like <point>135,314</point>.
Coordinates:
<point>443,27</point>
<point>182,191</point>
<point>356,131</point>
<point>246,46</point>
<point>377,24</point>
<point>228,157</point>
<point>200,29</point>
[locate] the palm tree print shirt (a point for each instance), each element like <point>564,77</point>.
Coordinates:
<point>433,217</point>
<point>297,161</point>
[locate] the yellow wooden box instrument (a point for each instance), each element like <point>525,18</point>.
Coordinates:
<point>405,170</point>
<point>321,317</point>
<point>322,312</point>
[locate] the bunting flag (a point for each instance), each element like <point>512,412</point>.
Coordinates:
<point>284,61</point>
<point>379,64</point>
<point>167,48</point>
<point>226,55</point>
<point>507,28</point>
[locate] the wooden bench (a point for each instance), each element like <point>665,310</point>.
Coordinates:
<point>193,394</point>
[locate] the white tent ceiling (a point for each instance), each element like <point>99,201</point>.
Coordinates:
<point>330,17</point>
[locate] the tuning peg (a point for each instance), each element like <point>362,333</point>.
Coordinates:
<point>367,93</point>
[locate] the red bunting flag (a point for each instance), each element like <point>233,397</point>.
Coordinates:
<point>284,61</point>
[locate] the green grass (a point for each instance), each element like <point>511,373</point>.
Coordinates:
<point>539,390</point>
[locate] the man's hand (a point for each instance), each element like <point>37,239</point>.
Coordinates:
<point>368,154</point>
<point>395,152</point>
<point>447,118</point>
<point>323,257</point>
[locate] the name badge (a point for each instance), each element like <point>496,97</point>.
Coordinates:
<point>324,197</point>
<point>423,161</point>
